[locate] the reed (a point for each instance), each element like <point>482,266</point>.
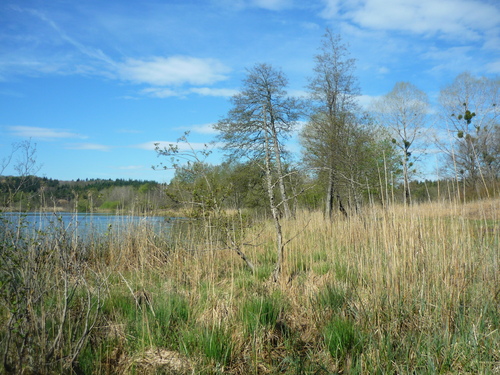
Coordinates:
<point>400,289</point>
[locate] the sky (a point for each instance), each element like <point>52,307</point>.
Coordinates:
<point>95,84</point>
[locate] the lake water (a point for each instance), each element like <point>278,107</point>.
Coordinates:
<point>80,224</point>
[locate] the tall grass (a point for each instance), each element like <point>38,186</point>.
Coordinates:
<point>393,290</point>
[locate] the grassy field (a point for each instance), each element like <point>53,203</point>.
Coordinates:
<point>401,290</point>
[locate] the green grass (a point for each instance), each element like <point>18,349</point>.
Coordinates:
<point>261,312</point>
<point>342,339</point>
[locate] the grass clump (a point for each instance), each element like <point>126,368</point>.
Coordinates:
<point>342,339</point>
<point>262,312</point>
<point>216,344</point>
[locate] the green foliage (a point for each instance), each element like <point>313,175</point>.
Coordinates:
<point>110,205</point>
<point>167,315</point>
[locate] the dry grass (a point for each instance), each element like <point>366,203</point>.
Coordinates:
<point>420,286</point>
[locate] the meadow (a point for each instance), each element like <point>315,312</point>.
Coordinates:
<point>400,290</point>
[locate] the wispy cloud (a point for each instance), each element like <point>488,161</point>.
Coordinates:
<point>272,4</point>
<point>86,50</point>
<point>166,92</point>
<point>11,93</point>
<point>42,133</point>
<point>200,129</point>
<point>81,58</point>
<point>366,101</point>
<point>88,146</point>
<point>493,67</point>
<point>239,5</point>
<point>174,70</point>
<point>207,91</point>
<point>130,167</point>
<point>129,131</point>
<point>160,92</point>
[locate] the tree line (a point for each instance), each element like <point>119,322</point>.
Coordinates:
<point>350,155</point>
<point>88,195</point>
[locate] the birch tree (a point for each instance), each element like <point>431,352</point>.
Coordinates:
<point>334,90</point>
<point>404,112</point>
<point>261,118</point>
<point>470,110</point>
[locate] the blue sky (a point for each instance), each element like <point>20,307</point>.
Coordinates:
<point>96,83</point>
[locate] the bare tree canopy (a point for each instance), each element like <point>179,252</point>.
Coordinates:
<point>470,110</point>
<point>404,112</point>
<point>261,118</point>
<point>338,139</point>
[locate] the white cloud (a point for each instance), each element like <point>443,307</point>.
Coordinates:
<point>42,133</point>
<point>463,19</point>
<point>156,92</point>
<point>174,70</point>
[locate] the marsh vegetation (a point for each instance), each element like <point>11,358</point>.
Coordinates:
<point>392,290</point>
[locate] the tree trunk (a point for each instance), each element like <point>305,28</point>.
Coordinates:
<point>329,195</point>
<point>276,215</point>
<point>279,166</point>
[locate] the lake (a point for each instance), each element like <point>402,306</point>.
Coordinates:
<point>80,224</point>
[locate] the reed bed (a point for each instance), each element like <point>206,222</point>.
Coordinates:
<point>401,289</point>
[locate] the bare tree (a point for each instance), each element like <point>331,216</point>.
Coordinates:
<point>262,117</point>
<point>334,90</point>
<point>404,112</point>
<point>22,159</point>
<point>196,185</point>
<point>469,107</point>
